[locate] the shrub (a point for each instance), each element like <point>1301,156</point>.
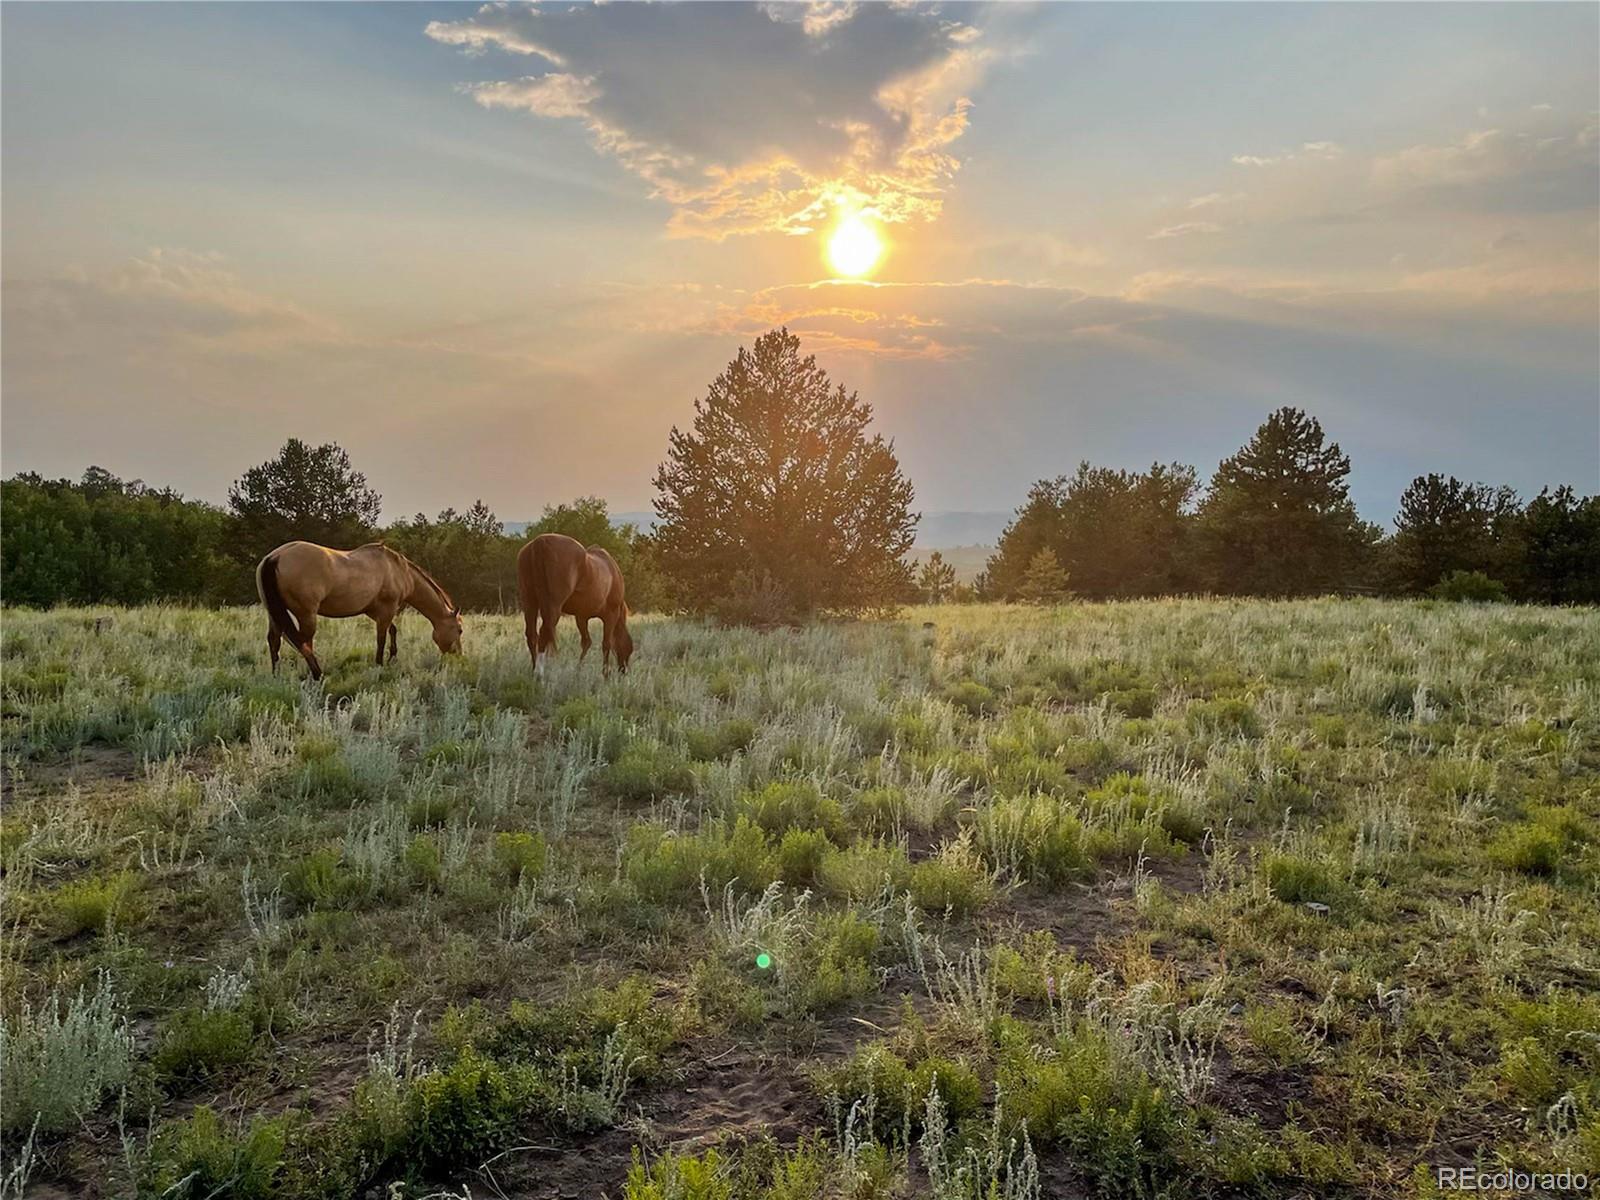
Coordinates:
<point>878,811</point>
<point>200,1158</point>
<point>1468,586</point>
<point>861,871</point>
<point>1123,1132</point>
<point>1528,847</point>
<point>90,904</point>
<point>328,782</point>
<point>1037,836</point>
<point>900,1090</point>
<point>203,1041</point>
<point>800,855</point>
<point>662,865</point>
<point>320,878</point>
<point>793,804</point>
<point>1225,717</point>
<point>1132,702</point>
<point>954,881</point>
<point>971,698</point>
<point>57,1065</point>
<point>519,855</point>
<point>679,1177</point>
<point>1295,880</point>
<point>643,773</point>
<point>723,741</point>
<point>422,861</point>
<point>429,810</point>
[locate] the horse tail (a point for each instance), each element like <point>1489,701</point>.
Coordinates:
<point>277,611</point>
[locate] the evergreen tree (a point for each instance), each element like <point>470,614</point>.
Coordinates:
<point>1115,532</point>
<point>1278,520</point>
<point>1445,526</point>
<point>1561,541</point>
<point>936,580</point>
<point>1045,581</point>
<point>305,494</point>
<point>778,486</point>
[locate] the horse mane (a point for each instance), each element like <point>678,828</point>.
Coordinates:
<point>431,581</point>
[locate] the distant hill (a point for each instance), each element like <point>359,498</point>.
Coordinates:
<point>943,530</point>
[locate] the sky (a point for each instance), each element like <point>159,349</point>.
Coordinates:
<point>497,252</point>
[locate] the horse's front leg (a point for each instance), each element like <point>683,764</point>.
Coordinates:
<point>394,639</point>
<point>583,633</point>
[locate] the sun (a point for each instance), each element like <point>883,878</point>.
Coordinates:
<point>854,247</point>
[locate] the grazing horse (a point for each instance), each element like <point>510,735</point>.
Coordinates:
<point>300,581</point>
<point>556,575</point>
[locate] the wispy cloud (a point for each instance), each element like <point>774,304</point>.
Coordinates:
<point>1307,150</point>
<point>1185,229</point>
<point>748,119</point>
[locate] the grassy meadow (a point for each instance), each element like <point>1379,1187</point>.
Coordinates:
<point>1170,898</point>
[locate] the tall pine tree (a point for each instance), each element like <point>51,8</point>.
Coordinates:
<point>779,487</point>
<point>1278,520</point>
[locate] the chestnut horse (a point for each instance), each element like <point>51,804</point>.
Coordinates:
<point>556,575</point>
<point>300,581</point>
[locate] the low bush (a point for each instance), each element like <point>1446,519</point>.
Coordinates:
<point>953,881</point>
<point>793,804</point>
<point>519,855</point>
<point>201,1158</point>
<point>1223,718</point>
<point>800,856</point>
<point>1296,880</point>
<point>721,741</point>
<point>1472,587</point>
<point>203,1041</point>
<point>643,773</point>
<point>90,904</point>
<point>971,698</point>
<point>862,870</point>
<point>60,1061</point>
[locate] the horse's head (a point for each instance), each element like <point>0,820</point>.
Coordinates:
<point>622,643</point>
<point>447,632</point>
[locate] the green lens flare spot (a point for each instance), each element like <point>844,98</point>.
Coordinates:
<point>763,960</point>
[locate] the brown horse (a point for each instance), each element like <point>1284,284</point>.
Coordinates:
<point>556,575</point>
<point>300,581</point>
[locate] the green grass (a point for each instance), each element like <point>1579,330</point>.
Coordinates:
<point>1181,898</point>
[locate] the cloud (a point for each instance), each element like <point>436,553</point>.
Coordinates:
<point>1185,228</point>
<point>818,17</point>
<point>1210,199</point>
<point>747,119</point>
<point>1308,150</point>
<point>1500,169</point>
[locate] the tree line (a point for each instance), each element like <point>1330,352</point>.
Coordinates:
<point>104,540</point>
<point>778,503</point>
<point>1276,520</point>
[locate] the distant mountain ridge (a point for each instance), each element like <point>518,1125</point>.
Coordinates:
<point>936,530</point>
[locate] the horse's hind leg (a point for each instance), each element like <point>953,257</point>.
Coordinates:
<point>394,639</point>
<point>549,614</point>
<point>583,632</point>
<point>274,643</point>
<point>530,631</point>
<point>308,632</point>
